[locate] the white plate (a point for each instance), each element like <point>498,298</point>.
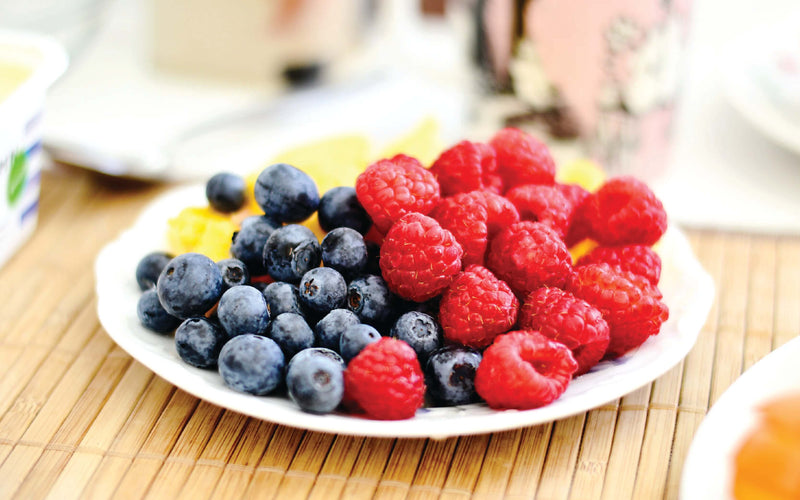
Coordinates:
<point>756,85</point>
<point>708,470</point>
<point>380,107</point>
<point>116,114</point>
<point>688,290</point>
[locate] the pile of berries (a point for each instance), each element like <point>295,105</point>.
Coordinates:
<point>442,286</point>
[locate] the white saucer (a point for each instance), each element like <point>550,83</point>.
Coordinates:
<point>761,78</point>
<point>114,113</point>
<point>708,470</point>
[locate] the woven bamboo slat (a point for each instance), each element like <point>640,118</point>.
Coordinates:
<point>562,453</point>
<point>590,469</point>
<point>401,468</point>
<point>240,468</point>
<point>101,434</point>
<point>206,471</point>
<point>368,468</point>
<point>787,292</point>
<point>332,478</point>
<point>432,469</point>
<point>466,465</point>
<point>497,464</point>
<point>528,461</point>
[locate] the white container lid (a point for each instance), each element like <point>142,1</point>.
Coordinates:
<point>43,55</point>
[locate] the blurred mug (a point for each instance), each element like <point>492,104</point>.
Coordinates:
<point>594,78</point>
<point>256,41</point>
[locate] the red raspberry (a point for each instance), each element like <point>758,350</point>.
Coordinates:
<point>501,212</point>
<point>466,219</point>
<point>419,259</point>
<point>349,404</point>
<point>523,370</point>
<point>640,281</point>
<point>493,183</point>
<point>624,211</point>
<point>633,313</point>
<point>579,227</point>
<point>386,381</point>
<point>574,193</point>
<point>565,318</point>
<point>542,203</point>
<point>465,167</point>
<point>522,159</point>
<point>391,188</point>
<point>529,255</point>
<point>638,259</point>
<point>476,308</point>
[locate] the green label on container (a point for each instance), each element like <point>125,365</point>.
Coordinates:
<point>17,177</point>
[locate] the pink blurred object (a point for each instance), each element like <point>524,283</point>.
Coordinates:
<point>604,75</point>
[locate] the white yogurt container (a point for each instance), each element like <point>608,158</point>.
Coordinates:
<point>29,64</point>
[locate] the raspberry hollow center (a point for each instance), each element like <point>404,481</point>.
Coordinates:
<point>543,367</point>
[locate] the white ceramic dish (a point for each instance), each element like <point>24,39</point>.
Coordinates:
<point>761,78</point>
<point>708,470</point>
<point>116,114</point>
<point>687,288</point>
<point>240,135</point>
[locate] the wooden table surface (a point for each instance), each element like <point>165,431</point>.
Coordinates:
<point>80,419</point>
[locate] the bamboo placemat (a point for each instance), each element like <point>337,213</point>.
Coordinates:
<point>80,419</point>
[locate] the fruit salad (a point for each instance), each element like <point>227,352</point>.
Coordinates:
<point>480,276</point>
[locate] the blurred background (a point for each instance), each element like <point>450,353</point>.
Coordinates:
<point>701,98</point>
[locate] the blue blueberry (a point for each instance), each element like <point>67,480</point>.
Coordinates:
<point>234,272</point>
<point>248,243</point>
<point>329,329</point>
<point>282,297</point>
<point>355,338</point>
<point>369,297</point>
<point>251,363</point>
<point>318,351</point>
<point>199,341</point>
<point>290,252</point>
<point>344,249</point>
<point>322,290</point>
<point>189,285</point>
<point>149,268</point>
<point>226,192</point>
<point>315,380</point>
<point>292,333</point>
<point>420,331</point>
<point>286,194</point>
<point>243,309</point>
<point>450,375</point>
<point>339,207</point>
<point>152,314</point>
